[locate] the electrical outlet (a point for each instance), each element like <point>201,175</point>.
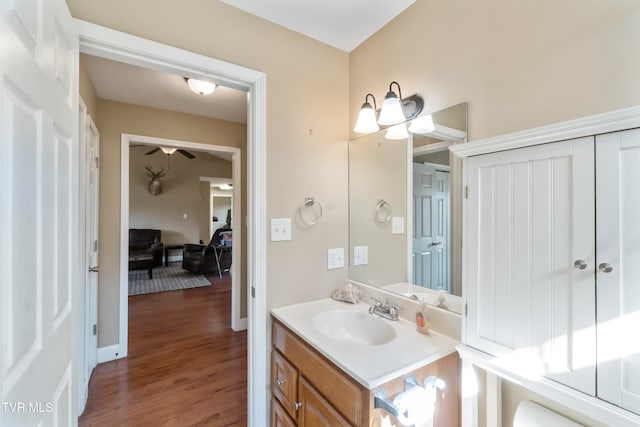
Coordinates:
<point>280,229</point>
<point>335,258</point>
<point>397,225</point>
<point>360,255</point>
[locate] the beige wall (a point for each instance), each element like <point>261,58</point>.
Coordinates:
<point>117,118</point>
<point>519,64</point>
<point>181,193</point>
<point>307,128</point>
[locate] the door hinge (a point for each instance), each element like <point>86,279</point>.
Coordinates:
<point>466,191</point>
<point>253,292</point>
<point>466,309</point>
<point>95,329</point>
<point>97,160</point>
<point>95,246</point>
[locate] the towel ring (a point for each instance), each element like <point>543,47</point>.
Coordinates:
<point>310,211</point>
<point>383,211</point>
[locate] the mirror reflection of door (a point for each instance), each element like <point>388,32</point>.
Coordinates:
<point>431,227</point>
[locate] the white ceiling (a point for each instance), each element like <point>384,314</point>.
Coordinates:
<point>121,82</point>
<point>343,24</point>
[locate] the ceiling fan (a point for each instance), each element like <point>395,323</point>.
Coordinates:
<point>171,150</point>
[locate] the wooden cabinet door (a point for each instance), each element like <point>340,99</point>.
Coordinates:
<point>529,218</point>
<point>285,382</point>
<point>279,416</point>
<point>314,410</point>
<point>618,243</point>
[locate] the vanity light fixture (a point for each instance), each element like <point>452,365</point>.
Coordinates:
<point>391,111</point>
<point>394,110</point>
<point>397,132</point>
<point>423,125</point>
<point>367,117</point>
<point>200,87</point>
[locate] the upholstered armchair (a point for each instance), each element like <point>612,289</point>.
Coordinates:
<point>201,259</point>
<point>144,241</point>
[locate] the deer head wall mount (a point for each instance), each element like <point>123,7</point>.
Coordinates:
<point>155,186</point>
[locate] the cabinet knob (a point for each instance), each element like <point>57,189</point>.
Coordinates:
<point>580,264</point>
<point>279,382</point>
<point>605,267</point>
<point>297,405</point>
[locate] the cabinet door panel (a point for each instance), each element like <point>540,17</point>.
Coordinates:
<point>618,292</point>
<point>279,417</point>
<point>285,382</point>
<point>315,411</point>
<point>528,221</point>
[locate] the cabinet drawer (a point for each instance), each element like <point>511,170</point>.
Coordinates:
<point>345,395</point>
<point>285,382</point>
<point>279,416</point>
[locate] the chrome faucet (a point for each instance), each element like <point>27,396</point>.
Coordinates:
<point>386,310</point>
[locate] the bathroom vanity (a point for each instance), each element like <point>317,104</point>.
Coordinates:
<point>330,359</point>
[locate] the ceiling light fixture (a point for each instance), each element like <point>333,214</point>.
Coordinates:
<point>168,150</point>
<point>367,117</point>
<point>200,87</point>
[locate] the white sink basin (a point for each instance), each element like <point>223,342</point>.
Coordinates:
<point>354,327</point>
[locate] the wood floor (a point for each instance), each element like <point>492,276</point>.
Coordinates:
<point>185,367</point>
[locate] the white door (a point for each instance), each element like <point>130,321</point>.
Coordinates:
<point>38,213</point>
<point>530,218</point>
<point>430,246</point>
<point>618,291</point>
<point>92,151</point>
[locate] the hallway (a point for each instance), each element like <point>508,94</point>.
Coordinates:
<point>185,366</point>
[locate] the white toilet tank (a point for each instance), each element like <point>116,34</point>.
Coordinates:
<point>531,414</point>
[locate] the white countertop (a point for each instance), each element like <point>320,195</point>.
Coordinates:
<point>370,365</point>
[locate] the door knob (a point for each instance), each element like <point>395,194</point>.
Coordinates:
<point>605,267</point>
<point>580,264</point>
<point>435,243</point>
<point>279,382</point>
<point>297,405</point>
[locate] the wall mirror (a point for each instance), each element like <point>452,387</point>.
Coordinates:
<point>405,211</point>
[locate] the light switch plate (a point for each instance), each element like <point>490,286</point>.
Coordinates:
<point>335,258</point>
<point>360,255</point>
<point>280,229</point>
<point>397,225</point>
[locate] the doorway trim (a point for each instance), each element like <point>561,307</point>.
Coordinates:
<point>237,323</point>
<point>111,44</point>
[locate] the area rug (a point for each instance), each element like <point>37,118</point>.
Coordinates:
<point>171,278</point>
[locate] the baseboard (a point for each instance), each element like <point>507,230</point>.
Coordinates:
<point>241,325</point>
<point>109,353</point>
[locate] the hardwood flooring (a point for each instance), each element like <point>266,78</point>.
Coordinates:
<point>186,367</point>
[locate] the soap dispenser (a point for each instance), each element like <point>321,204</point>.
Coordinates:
<point>422,319</point>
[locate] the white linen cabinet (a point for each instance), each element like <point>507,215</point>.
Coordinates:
<point>618,267</point>
<point>552,272</point>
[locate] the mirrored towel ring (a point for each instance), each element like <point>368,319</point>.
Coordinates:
<point>383,211</point>
<point>310,211</point>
